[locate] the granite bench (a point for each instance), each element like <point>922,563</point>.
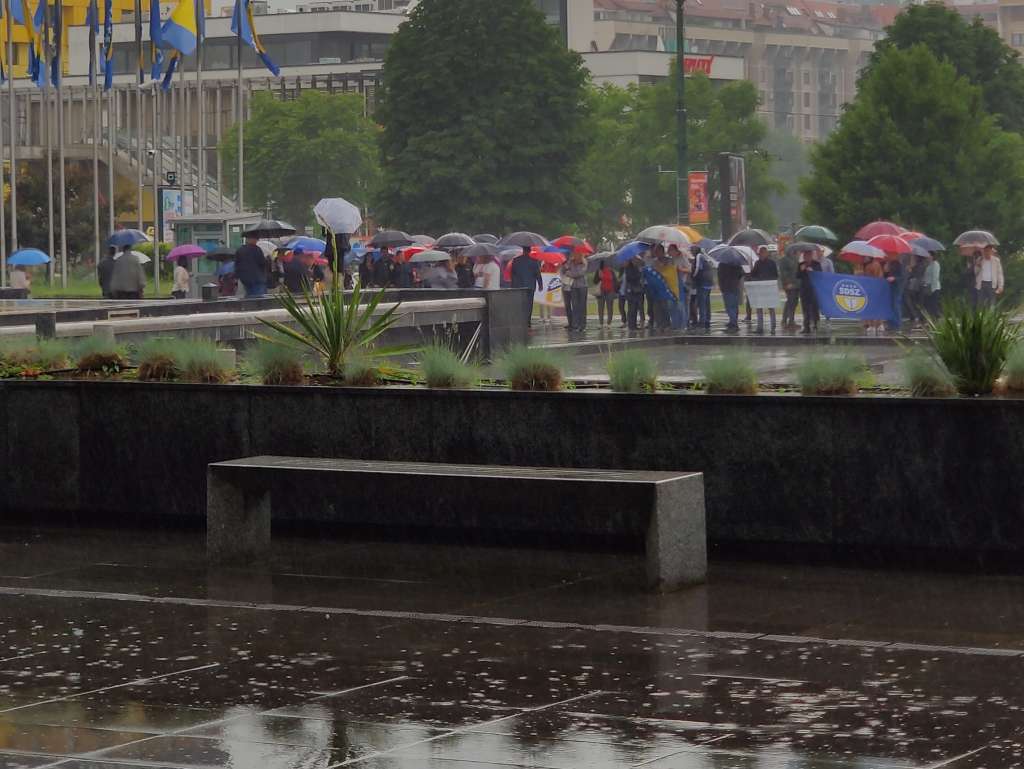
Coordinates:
<point>663,512</point>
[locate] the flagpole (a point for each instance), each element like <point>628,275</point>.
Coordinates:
<point>61,182</point>
<point>12,137</point>
<point>111,138</point>
<point>49,142</point>
<point>238,117</point>
<point>157,163</point>
<point>201,143</point>
<point>94,61</point>
<point>140,132</point>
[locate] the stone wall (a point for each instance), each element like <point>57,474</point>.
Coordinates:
<point>858,472</point>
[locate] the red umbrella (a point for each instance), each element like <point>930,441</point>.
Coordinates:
<point>869,231</point>
<point>547,257</point>
<point>576,245</point>
<point>910,235</point>
<point>408,253</point>
<point>893,245</point>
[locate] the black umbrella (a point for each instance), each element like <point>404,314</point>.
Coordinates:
<point>454,240</point>
<point>751,238</point>
<point>481,249</point>
<point>486,238</point>
<point>221,254</point>
<point>524,240</point>
<point>270,228</point>
<point>390,239</point>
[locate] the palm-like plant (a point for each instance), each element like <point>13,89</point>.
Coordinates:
<point>336,328</point>
<point>974,344</point>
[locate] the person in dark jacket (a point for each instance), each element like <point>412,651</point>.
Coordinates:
<point>730,282</point>
<point>464,271</point>
<point>633,280</point>
<point>384,270</point>
<point>808,299</point>
<point>104,270</point>
<point>297,276</point>
<point>402,277</point>
<point>251,267</point>
<point>764,268</point>
<point>526,274</point>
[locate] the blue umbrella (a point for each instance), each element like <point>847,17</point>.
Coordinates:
<point>353,258</point>
<point>706,243</point>
<point>628,251</point>
<point>307,244</point>
<point>928,244</point>
<point>123,238</point>
<point>28,257</point>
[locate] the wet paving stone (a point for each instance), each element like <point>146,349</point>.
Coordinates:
<point>150,660</point>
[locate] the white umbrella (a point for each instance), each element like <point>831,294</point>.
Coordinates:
<point>143,259</point>
<point>862,249</point>
<point>430,256</point>
<point>662,233</point>
<point>267,247</point>
<point>338,215</point>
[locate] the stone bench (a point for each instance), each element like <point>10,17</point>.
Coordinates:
<point>662,511</point>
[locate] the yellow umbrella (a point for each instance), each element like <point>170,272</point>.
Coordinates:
<point>695,236</point>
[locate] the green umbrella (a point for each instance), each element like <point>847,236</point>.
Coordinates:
<point>815,233</point>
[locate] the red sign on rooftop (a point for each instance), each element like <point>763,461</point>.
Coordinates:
<point>697,63</point>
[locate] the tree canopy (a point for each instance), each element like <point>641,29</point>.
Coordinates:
<point>633,136</point>
<point>484,120</point>
<point>974,49</point>
<point>918,147</point>
<point>296,152</point>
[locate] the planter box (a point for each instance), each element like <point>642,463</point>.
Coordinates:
<point>866,473</point>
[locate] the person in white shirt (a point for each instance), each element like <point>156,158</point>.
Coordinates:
<point>487,274</point>
<point>988,277</point>
<point>181,278</point>
<point>21,279</point>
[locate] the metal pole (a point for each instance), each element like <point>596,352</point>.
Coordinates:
<point>218,116</point>
<point>62,185</point>
<point>157,163</point>
<point>201,103</point>
<point>112,110</point>
<point>95,141</point>
<point>239,117</point>
<point>682,167</point>
<point>178,119</point>
<point>13,136</point>
<point>45,123</point>
<point>139,130</point>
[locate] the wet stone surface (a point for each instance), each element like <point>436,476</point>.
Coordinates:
<point>123,650</point>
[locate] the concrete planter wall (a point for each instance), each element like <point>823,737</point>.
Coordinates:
<point>884,473</point>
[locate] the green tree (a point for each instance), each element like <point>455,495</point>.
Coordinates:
<point>634,143</point>
<point>296,152</point>
<point>916,146</point>
<point>33,226</point>
<point>485,120</point>
<point>974,49</point>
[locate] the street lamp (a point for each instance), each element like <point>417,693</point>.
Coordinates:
<point>682,176</point>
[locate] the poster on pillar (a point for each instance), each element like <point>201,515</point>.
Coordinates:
<point>174,202</point>
<point>699,213</point>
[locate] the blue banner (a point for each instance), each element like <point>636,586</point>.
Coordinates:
<point>853,296</point>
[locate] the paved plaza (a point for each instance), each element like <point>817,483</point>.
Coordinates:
<point>119,649</point>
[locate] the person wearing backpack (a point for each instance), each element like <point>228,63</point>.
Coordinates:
<point>607,289</point>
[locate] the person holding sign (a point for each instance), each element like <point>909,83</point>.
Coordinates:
<point>764,269</point>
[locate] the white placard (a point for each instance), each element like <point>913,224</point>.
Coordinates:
<point>763,294</point>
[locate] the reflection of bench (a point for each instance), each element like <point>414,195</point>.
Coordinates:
<point>663,512</point>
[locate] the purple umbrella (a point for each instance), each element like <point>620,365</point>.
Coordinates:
<point>188,250</point>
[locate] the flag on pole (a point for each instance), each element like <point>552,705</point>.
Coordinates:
<point>37,60</point>
<point>156,56</point>
<point>108,43</point>
<point>21,13</point>
<point>180,32</point>
<point>243,24</point>
<point>58,44</point>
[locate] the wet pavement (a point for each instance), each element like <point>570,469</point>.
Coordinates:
<point>120,649</point>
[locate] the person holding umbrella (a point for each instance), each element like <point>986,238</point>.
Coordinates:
<point>251,266</point>
<point>526,274</point>
<point>789,276</point>
<point>764,269</point>
<point>574,291</point>
<point>703,283</point>
<point>128,279</point>
<point>933,286</point>
<point>181,278</point>
<point>607,283</point>
<point>873,269</point>
<point>809,300</point>
<point>989,280</point>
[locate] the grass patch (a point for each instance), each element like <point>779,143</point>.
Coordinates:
<point>927,377</point>
<point>99,355</point>
<point>444,369</point>
<point>362,372</point>
<point>974,344</point>
<point>1013,369</point>
<point>819,374</point>
<point>531,368</point>
<point>632,371</point>
<point>275,364</point>
<point>731,373</point>
<point>158,360</point>
<point>30,354</point>
<point>201,361</point>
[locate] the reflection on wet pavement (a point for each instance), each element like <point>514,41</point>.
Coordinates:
<point>122,650</point>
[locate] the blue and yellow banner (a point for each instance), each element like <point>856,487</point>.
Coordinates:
<point>853,296</point>
<point>181,32</point>
<point>243,24</point>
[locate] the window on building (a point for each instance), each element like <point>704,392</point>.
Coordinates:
<point>807,122</point>
<point>807,77</point>
<point>1017,40</point>
<point>807,100</point>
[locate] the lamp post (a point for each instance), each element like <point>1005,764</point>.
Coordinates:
<point>682,175</point>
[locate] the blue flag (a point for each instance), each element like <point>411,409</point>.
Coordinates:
<point>108,44</point>
<point>243,24</point>
<point>58,34</point>
<point>853,296</point>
